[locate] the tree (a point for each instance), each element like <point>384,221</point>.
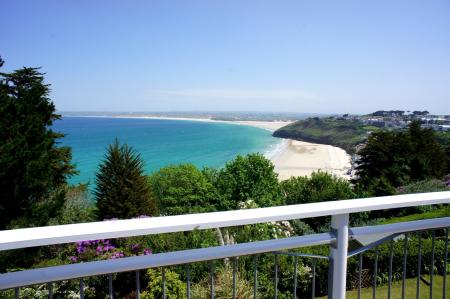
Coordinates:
<point>183,189</point>
<point>250,177</point>
<point>420,113</point>
<point>122,190</point>
<point>443,139</point>
<point>33,168</point>
<point>321,186</point>
<point>429,159</point>
<point>393,159</point>
<point>384,162</point>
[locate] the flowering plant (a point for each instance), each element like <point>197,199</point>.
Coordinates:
<point>105,249</point>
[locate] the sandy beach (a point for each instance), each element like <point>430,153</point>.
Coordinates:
<point>268,125</point>
<point>293,158</point>
<point>299,158</point>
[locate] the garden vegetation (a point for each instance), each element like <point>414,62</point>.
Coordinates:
<point>34,170</point>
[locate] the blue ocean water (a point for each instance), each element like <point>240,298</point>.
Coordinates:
<point>160,142</point>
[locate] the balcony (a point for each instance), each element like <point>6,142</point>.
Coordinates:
<point>345,243</point>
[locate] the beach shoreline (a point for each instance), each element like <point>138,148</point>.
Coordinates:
<point>290,157</point>
<point>296,158</point>
<point>300,158</point>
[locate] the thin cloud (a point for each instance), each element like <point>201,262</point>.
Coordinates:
<point>237,93</point>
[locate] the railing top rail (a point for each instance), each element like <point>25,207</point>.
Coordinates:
<point>39,236</point>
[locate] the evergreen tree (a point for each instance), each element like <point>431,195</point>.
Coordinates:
<point>384,162</point>
<point>393,159</point>
<point>33,168</point>
<point>429,159</point>
<point>444,140</point>
<point>122,190</point>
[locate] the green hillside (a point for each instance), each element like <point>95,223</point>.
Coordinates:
<point>342,133</point>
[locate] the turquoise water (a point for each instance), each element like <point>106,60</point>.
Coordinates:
<point>160,142</point>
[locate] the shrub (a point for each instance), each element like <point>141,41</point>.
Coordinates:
<point>432,185</point>
<point>77,208</point>
<point>223,286</point>
<point>175,288</point>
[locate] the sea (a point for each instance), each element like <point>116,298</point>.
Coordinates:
<point>160,142</point>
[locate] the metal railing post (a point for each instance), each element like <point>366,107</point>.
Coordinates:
<point>338,258</point>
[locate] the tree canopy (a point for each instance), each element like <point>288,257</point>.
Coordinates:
<point>320,186</point>
<point>250,177</point>
<point>183,189</point>
<point>33,167</point>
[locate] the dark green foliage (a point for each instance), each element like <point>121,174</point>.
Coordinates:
<point>384,162</point>
<point>381,186</point>
<point>183,189</point>
<point>428,158</point>
<point>250,177</point>
<point>337,132</point>
<point>388,113</point>
<point>392,159</point>
<point>122,190</point>
<point>420,113</point>
<point>444,139</point>
<point>33,168</point>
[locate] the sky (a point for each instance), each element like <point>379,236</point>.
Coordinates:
<point>268,56</point>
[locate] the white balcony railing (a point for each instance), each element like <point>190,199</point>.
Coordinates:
<point>338,239</point>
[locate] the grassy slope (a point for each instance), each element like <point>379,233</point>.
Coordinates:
<point>410,290</point>
<point>438,213</point>
<point>342,133</point>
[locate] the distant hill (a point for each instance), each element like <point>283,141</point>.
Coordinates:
<point>225,116</point>
<point>338,132</point>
